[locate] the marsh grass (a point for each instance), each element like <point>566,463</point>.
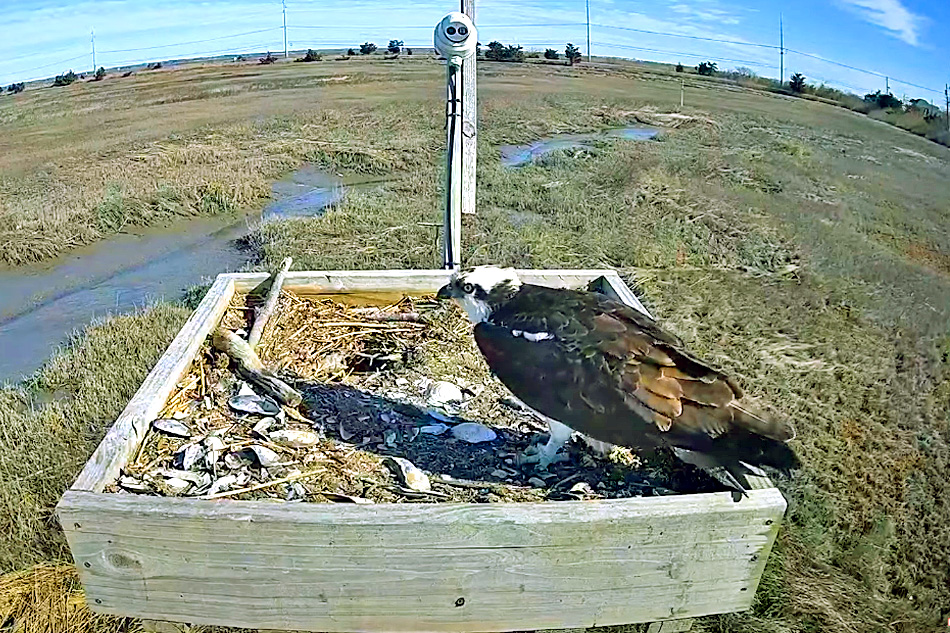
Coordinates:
<point>798,246</point>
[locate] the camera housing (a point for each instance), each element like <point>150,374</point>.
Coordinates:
<point>455,37</point>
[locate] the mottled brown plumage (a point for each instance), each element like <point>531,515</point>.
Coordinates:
<point>610,372</point>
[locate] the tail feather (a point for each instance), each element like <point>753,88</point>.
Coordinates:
<point>766,425</point>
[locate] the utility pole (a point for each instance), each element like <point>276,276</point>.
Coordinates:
<point>588,31</point>
<point>283,3</point>
<point>887,85</point>
<point>93,50</point>
<point>469,121</point>
<point>946,95</point>
<point>781,49</point>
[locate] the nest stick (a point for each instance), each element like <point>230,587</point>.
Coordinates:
<point>260,319</point>
<point>250,367</point>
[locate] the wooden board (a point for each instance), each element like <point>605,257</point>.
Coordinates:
<point>410,567</point>
<point>128,431</point>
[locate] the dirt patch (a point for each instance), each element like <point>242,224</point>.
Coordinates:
<point>923,254</point>
<point>375,384</point>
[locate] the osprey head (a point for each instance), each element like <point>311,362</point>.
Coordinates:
<point>481,289</point>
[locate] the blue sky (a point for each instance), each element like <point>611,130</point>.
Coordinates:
<point>908,40</point>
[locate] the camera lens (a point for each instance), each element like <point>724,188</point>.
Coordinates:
<point>450,30</point>
<point>463,30</point>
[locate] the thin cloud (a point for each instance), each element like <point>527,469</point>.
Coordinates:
<point>892,16</point>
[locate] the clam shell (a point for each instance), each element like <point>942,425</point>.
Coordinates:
<point>222,484</point>
<point>295,438</point>
<point>265,456</point>
<point>171,427</point>
<point>409,474</point>
<point>253,404</point>
<point>188,456</point>
<point>434,429</point>
<point>177,486</point>
<point>473,433</point>
<point>236,460</point>
<point>442,393</point>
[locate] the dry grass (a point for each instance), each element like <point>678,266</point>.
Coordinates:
<point>790,242</point>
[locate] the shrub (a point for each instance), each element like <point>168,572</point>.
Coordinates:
<point>550,53</point>
<point>367,48</point>
<point>679,67</point>
<point>15,87</point>
<point>572,53</point>
<point>500,53</point>
<point>408,51</point>
<point>797,82</point>
<point>311,56</point>
<point>100,74</point>
<point>350,52</point>
<point>267,59</point>
<point>65,79</point>
<point>883,101</point>
<point>707,68</point>
<point>395,46</point>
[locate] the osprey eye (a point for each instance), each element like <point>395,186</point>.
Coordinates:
<point>468,288</point>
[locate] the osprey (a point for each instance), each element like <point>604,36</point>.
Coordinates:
<point>584,362</point>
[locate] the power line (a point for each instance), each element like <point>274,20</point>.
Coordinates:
<point>698,56</point>
<point>861,70</point>
<point>210,39</point>
<point>689,37</point>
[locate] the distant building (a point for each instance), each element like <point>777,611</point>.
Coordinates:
<point>924,107</point>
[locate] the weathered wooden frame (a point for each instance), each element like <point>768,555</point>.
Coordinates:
<point>401,567</point>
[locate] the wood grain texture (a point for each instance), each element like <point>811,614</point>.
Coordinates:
<point>270,304</point>
<point>469,120</point>
<point>411,567</point>
<point>125,435</point>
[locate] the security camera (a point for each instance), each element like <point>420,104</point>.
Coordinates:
<point>455,37</point>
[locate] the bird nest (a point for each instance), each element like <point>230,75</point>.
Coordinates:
<point>398,406</point>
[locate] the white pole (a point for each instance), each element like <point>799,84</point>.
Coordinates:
<point>781,49</point>
<point>469,121</point>
<point>283,4</point>
<point>93,50</point>
<point>682,91</point>
<point>588,31</point>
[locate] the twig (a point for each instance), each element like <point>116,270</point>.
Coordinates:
<point>260,319</point>
<point>385,326</point>
<point>266,484</point>
<point>250,367</point>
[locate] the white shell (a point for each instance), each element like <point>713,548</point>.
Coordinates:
<point>434,429</point>
<point>442,393</point>
<point>237,459</point>
<point>189,455</point>
<point>409,475</point>
<point>473,433</point>
<point>295,438</point>
<point>265,456</point>
<point>222,484</point>
<point>177,485</point>
<point>171,427</point>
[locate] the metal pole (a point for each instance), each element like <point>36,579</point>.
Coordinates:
<point>588,31</point>
<point>946,95</point>
<point>93,50</point>
<point>682,91</point>
<point>283,4</point>
<point>887,85</point>
<point>781,49</point>
<point>469,121</point>
<point>451,235</point>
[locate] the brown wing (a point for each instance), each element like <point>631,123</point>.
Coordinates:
<point>682,395</point>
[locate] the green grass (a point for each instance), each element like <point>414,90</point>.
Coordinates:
<point>799,246</point>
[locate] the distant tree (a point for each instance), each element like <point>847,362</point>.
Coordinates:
<point>707,68</point>
<point>550,53</point>
<point>500,53</point>
<point>311,56</point>
<point>395,46</point>
<point>367,48</point>
<point>572,53</point>
<point>65,79</point>
<point>679,68</point>
<point>350,52</point>
<point>100,74</point>
<point>267,59</point>
<point>14,88</point>
<point>127,74</point>
<point>883,100</point>
<point>158,65</point>
<point>797,82</point>
<point>408,51</point>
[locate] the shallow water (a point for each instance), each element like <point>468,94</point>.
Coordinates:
<point>41,304</point>
<point>519,155</point>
